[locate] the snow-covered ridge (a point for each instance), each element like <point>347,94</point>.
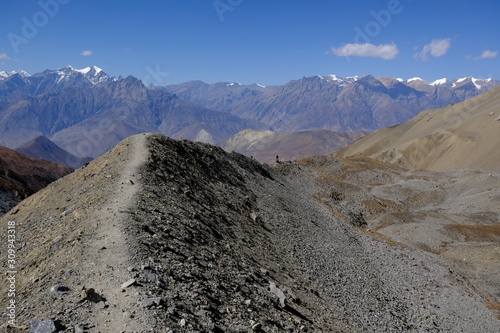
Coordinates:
<point>478,83</point>
<point>93,74</point>
<point>414,79</point>
<point>336,78</point>
<point>4,74</point>
<point>86,70</point>
<point>439,82</point>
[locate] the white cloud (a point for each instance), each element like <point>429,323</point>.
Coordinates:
<point>487,54</point>
<point>4,56</point>
<point>437,48</point>
<point>384,51</point>
<point>87,53</point>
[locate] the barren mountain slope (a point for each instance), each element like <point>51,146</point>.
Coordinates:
<point>463,135</point>
<point>43,148</point>
<point>454,215</point>
<point>264,146</point>
<point>217,242</point>
<point>21,176</point>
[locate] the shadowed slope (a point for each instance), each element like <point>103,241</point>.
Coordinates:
<point>41,147</point>
<point>21,176</point>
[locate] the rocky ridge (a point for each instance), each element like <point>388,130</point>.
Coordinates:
<point>172,236</point>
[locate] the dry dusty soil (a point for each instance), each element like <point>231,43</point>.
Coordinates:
<point>160,235</point>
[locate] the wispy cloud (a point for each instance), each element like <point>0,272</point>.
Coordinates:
<point>436,48</point>
<point>4,56</point>
<point>87,53</point>
<point>384,51</point>
<point>487,54</point>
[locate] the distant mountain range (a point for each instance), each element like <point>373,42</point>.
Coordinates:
<point>331,102</point>
<point>86,112</point>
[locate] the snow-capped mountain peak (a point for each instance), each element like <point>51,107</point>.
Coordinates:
<point>478,83</point>
<point>93,74</point>
<point>333,77</point>
<point>463,79</point>
<point>439,82</point>
<point>4,75</point>
<point>414,79</point>
<point>94,70</point>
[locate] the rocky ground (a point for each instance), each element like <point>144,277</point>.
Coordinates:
<point>171,236</point>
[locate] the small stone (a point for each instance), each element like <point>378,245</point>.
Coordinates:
<point>253,216</point>
<point>149,302</point>
<point>129,283</point>
<point>101,305</point>
<point>201,313</point>
<point>60,289</point>
<point>277,291</point>
<point>182,323</point>
<point>91,295</point>
<point>248,302</point>
<point>257,327</point>
<point>146,303</point>
<point>43,326</point>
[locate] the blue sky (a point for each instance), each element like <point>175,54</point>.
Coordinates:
<point>253,41</point>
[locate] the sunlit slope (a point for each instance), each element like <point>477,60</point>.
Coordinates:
<point>463,135</point>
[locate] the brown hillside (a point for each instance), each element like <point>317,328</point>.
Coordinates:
<point>21,176</point>
<point>464,135</point>
<point>264,146</point>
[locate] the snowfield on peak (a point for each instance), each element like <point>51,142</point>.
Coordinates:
<point>440,81</point>
<point>414,79</point>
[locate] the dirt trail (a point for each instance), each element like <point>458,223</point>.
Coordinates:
<point>72,241</point>
<point>111,219</point>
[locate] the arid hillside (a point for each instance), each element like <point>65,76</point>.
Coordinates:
<point>264,146</point>
<point>22,175</point>
<point>43,148</point>
<point>463,135</point>
<point>159,235</point>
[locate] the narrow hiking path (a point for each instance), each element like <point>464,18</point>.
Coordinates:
<point>74,252</point>
<point>110,249</point>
